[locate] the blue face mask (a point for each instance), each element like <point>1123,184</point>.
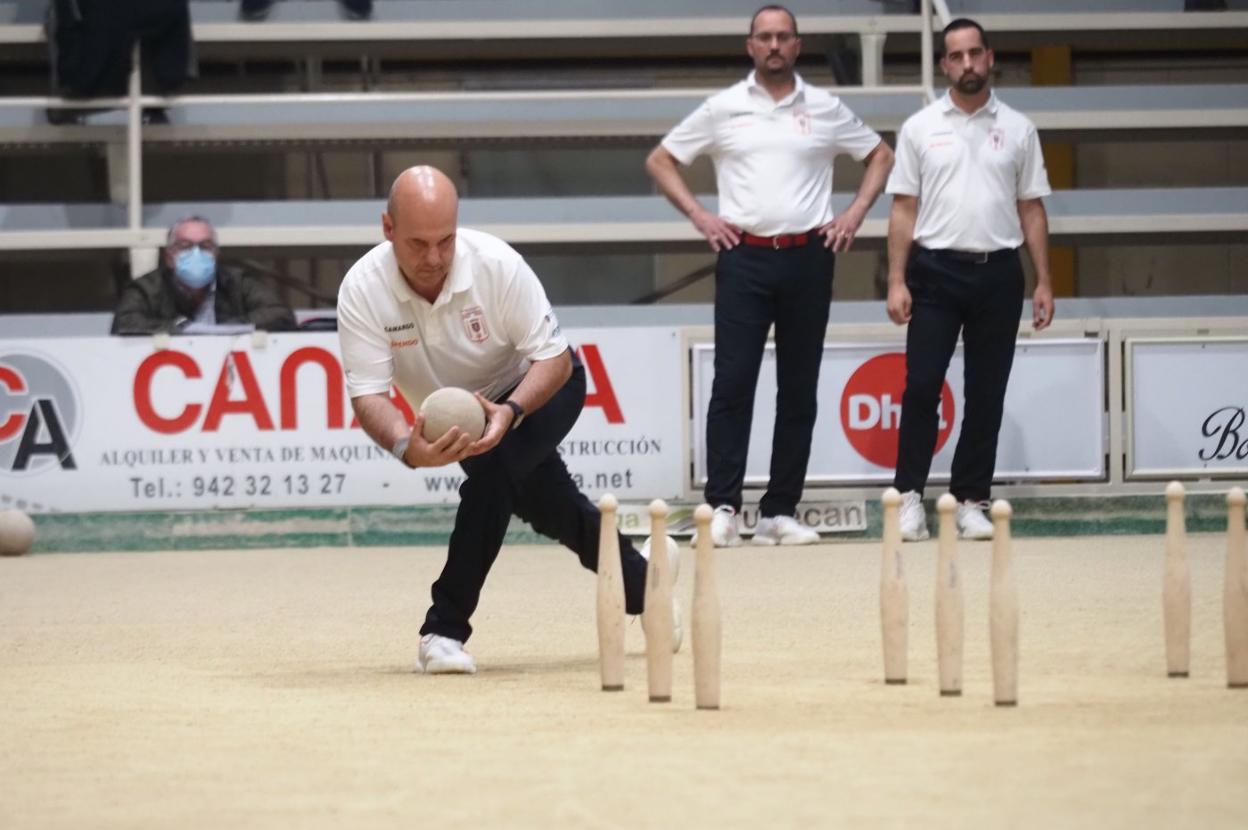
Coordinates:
<point>195,267</point>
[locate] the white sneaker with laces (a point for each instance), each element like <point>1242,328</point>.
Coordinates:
<point>724,530</point>
<point>783,530</point>
<point>911,517</point>
<point>673,562</point>
<point>442,655</point>
<point>972,523</point>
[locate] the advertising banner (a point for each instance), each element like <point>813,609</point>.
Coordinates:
<point>1052,428</point>
<point>104,424</point>
<point>1186,406</point>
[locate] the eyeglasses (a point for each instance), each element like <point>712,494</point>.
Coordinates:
<point>781,38</point>
<point>181,245</point>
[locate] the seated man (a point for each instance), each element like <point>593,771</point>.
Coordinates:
<point>190,290</point>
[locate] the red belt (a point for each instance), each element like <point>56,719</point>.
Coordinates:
<point>784,240</point>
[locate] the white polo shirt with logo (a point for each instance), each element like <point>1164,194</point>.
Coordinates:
<point>969,171</point>
<point>773,159</point>
<point>488,324</point>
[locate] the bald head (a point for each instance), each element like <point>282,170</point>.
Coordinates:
<point>420,222</point>
<point>422,189</point>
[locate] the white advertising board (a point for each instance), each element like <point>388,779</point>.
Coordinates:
<point>1052,428</point>
<point>1186,405</point>
<point>106,424</point>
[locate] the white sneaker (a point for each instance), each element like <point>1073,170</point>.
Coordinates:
<point>673,556</point>
<point>442,655</point>
<point>912,518</point>
<point>724,530</point>
<point>673,562</point>
<point>678,626</point>
<point>972,523</point>
<point>783,530</point>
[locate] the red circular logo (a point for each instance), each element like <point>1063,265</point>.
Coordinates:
<point>871,409</point>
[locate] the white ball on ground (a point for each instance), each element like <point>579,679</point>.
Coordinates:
<point>449,407</point>
<point>17,533</point>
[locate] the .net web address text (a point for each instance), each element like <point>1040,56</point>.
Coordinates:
<point>617,481</point>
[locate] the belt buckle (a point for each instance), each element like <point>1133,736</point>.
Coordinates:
<point>981,259</point>
<point>775,243</point>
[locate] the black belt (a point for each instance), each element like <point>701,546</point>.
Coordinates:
<point>975,257</point>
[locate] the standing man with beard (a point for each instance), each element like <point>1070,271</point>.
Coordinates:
<point>772,139</point>
<point>967,192</point>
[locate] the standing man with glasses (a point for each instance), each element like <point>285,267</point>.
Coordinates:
<point>192,291</point>
<point>967,192</point>
<point>772,139</point>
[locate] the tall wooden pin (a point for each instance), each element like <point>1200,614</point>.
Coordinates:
<point>707,626</point>
<point>948,601</point>
<point>610,599</point>
<point>894,597</point>
<point>1003,610</point>
<point>1176,586</point>
<point>1235,593</point>
<point>657,616</point>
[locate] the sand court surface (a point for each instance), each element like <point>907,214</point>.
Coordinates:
<point>275,689</point>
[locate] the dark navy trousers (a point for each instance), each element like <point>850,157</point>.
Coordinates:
<point>754,288</point>
<point>524,475</point>
<point>983,302</point>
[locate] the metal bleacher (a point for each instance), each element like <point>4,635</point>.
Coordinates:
<point>544,114</point>
<point>319,21</point>
<point>572,220</point>
<point>591,113</point>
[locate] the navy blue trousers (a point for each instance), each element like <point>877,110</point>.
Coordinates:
<point>983,302</point>
<point>754,288</point>
<point>525,476</point>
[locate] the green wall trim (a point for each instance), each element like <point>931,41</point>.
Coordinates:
<point>431,525</point>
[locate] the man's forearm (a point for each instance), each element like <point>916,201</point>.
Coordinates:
<point>879,165</point>
<point>661,165</point>
<point>380,419</point>
<point>900,236</point>
<point>1035,223</point>
<point>542,381</point>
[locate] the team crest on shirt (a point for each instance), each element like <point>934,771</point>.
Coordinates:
<point>996,138</point>
<point>801,120</point>
<point>474,324</point>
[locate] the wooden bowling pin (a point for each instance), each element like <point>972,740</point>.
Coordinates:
<point>894,597</point>
<point>657,617</point>
<point>1235,593</point>
<point>1176,586</point>
<point>948,601</point>
<point>610,599</point>
<point>707,631</point>
<point>1003,610</point>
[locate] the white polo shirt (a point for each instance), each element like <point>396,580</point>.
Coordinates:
<point>773,159</point>
<point>969,173</point>
<point>490,321</point>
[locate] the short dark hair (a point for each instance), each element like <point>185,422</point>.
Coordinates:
<point>173,229</point>
<point>962,23</point>
<point>773,7</point>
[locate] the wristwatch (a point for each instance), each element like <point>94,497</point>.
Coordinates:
<point>518,410</point>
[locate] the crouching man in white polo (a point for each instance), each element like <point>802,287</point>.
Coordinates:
<point>437,305</point>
